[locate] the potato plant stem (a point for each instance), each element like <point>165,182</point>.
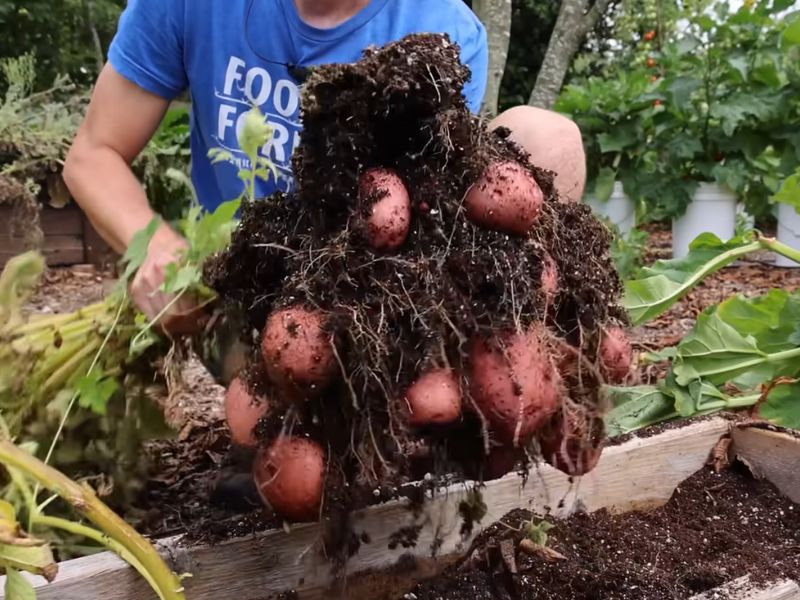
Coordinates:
<point>100,538</point>
<point>780,248</point>
<point>84,500</point>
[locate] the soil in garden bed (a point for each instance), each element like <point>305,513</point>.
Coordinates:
<point>715,528</point>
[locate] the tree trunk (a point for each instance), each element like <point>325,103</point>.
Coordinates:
<point>98,46</point>
<point>572,25</point>
<point>496,16</point>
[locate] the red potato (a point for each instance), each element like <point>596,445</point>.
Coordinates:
<point>387,226</point>
<point>550,283</point>
<point>515,384</point>
<point>434,399</point>
<point>500,462</point>
<point>505,198</point>
<point>290,477</point>
<point>243,411</point>
<point>573,442</point>
<point>297,351</point>
<point>616,354</point>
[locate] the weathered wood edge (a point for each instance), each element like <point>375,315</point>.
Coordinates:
<point>641,473</point>
<point>742,589</point>
<point>773,455</point>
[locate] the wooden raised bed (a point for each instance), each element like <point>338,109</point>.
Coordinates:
<point>69,238</point>
<point>641,473</point>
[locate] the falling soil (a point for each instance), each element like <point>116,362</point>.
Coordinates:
<point>715,528</point>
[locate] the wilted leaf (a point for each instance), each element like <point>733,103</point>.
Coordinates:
<point>33,559</point>
<point>17,587</point>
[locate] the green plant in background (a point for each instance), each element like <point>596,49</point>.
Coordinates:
<point>628,251</point>
<point>726,110</point>
<point>613,115</point>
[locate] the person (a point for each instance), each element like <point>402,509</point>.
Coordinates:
<point>230,55</point>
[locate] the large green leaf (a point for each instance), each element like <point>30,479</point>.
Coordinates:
<point>782,405</point>
<point>636,408</point>
<point>714,351</point>
<point>619,139</point>
<point>772,319</point>
<point>667,281</point>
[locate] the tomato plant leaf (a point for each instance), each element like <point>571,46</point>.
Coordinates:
<point>17,587</point>
<point>36,559</point>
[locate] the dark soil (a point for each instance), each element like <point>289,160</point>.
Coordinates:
<point>715,528</point>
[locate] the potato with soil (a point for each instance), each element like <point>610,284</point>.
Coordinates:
<point>434,399</point>
<point>383,195</point>
<point>297,351</point>
<point>243,411</point>
<point>290,476</point>
<point>616,354</point>
<point>572,441</point>
<point>515,384</point>
<point>505,198</point>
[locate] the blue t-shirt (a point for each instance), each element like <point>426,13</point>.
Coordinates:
<point>229,52</point>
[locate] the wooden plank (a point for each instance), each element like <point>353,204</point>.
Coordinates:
<point>97,251</point>
<point>742,589</point>
<point>771,454</point>
<point>57,250</point>
<point>61,221</point>
<point>641,473</point>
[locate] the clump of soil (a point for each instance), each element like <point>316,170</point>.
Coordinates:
<point>715,528</point>
<point>394,315</point>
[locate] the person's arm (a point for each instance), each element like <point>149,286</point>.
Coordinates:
<point>121,119</point>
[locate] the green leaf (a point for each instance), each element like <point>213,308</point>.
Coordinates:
<point>782,406</point>
<point>136,253</point>
<point>667,281</point>
<point>219,155</point>
<point>604,184</point>
<point>790,192</point>
<point>772,319</point>
<point>36,559</point>
<point>636,408</point>
<point>686,45</point>
<point>17,587</point>
<point>95,391</point>
<point>791,35</point>
<point>684,146</point>
<point>255,133</point>
<point>740,63</point>
<point>681,90</point>
<point>714,351</point>
<point>179,279</point>
<point>212,232</point>
<point>8,514</point>
<point>617,140</point>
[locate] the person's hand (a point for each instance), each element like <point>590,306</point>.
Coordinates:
<point>183,316</point>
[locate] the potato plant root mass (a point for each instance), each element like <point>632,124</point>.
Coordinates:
<point>397,305</point>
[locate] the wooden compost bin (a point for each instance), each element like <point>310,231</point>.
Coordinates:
<point>69,238</point>
<point>641,473</point>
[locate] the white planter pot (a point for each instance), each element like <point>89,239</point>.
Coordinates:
<point>619,209</point>
<point>788,233</point>
<point>712,210</point>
